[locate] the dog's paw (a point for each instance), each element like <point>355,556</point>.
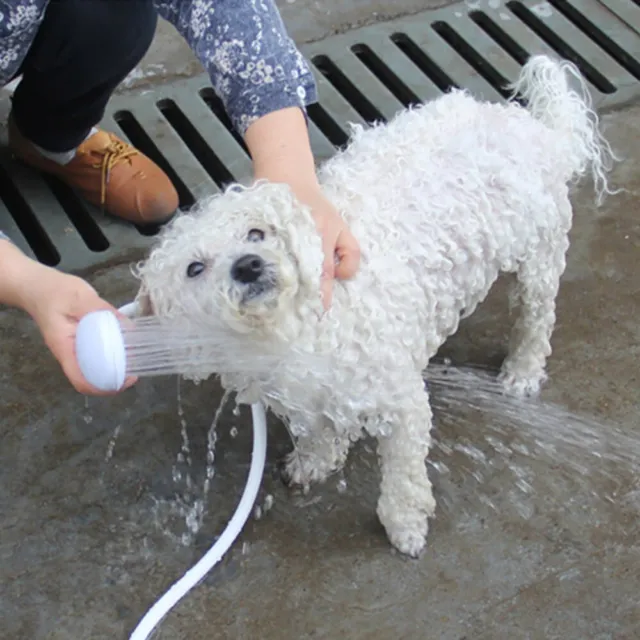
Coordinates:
<point>521,386</point>
<point>303,469</point>
<point>407,522</point>
<point>410,542</point>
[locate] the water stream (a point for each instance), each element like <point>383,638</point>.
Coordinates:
<point>494,451</point>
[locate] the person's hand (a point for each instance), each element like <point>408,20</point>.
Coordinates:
<point>341,249</point>
<point>281,152</point>
<point>60,306</point>
<point>56,302</point>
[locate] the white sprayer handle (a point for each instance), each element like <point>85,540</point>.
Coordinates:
<point>100,350</point>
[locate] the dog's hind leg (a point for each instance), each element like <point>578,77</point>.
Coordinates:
<point>406,498</point>
<point>319,451</point>
<point>523,371</point>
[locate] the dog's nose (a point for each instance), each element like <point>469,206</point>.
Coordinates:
<point>247,268</point>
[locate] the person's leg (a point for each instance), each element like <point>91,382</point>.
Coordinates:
<point>83,50</point>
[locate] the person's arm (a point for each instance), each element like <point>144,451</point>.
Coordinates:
<point>265,85</point>
<point>254,66</point>
<point>18,275</point>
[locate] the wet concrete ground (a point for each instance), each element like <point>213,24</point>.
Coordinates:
<point>88,544</point>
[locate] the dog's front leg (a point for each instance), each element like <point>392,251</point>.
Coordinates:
<point>319,451</point>
<point>406,498</point>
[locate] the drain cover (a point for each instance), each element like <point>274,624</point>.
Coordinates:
<point>364,75</point>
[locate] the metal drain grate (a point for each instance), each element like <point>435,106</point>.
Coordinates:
<point>364,75</point>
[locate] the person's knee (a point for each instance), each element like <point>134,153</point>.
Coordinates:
<point>122,30</point>
<point>115,32</point>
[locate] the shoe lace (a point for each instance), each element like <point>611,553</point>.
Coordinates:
<point>115,152</point>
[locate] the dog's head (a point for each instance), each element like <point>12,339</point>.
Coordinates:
<point>250,258</point>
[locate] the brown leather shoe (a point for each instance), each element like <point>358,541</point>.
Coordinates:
<point>109,173</point>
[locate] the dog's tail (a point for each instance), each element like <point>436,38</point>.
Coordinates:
<point>544,84</point>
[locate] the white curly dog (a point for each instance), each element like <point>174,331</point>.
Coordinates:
<point>442,199</point>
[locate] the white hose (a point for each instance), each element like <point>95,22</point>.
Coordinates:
<point>190,579</point>
<point>179,589</point>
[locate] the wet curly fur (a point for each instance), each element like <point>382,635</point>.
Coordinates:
<point>442,199</point>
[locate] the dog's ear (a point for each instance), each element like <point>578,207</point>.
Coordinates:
<point>142,301</point>
<point>305,245</point>
<point>293,221</point>
<point>304,241</point>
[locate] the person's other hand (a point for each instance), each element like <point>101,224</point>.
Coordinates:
<point>281,152</point>
<point>341,249</point>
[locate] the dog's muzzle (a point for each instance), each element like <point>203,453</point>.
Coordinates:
<point>247,268</point>
<point>253,273</point>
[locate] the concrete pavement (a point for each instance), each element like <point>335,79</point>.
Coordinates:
<point>90,533</point>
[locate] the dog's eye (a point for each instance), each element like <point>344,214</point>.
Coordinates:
<point>195,269</point>
<point>255,235</point>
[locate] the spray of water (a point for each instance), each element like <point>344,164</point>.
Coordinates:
<point>164,346</point>
<point>503,452</point>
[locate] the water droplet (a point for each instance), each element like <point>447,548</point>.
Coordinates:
<point>569,574</point>
<point>112,444</point>
<point>524,486</point>
<point>521,448</point>
<point>233,432</point>
<point>438,466</point>
<point>445,448</point>
<point>488,502</point>
<point>472,452</point>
